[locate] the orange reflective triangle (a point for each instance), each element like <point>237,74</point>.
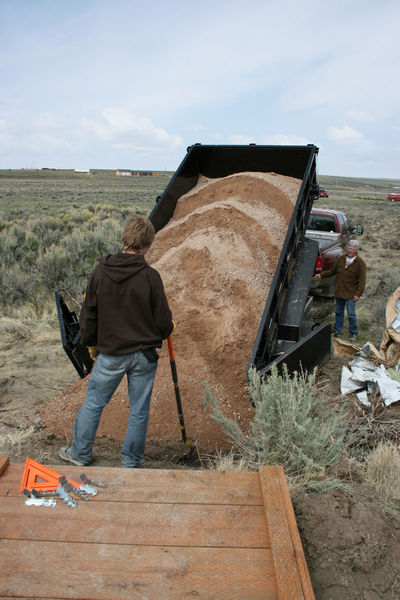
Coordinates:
<point>41,478</point>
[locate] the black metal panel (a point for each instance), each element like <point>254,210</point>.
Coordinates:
<point>263,349</point>
<point>298,291</point>
<point>70,338</point>
<point>311,351</point>
<point>220,161</point>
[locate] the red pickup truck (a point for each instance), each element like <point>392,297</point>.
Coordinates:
<point>394,196</point>
<point>332,230</point>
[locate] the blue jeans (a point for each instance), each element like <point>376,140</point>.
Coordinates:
<point>107,374</point>
<point>351,312</point>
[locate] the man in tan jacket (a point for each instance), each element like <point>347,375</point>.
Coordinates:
<point>350,271</point>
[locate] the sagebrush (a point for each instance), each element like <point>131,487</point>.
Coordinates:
<point>293,426</point>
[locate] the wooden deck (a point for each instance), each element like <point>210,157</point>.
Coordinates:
<point>154,534</point>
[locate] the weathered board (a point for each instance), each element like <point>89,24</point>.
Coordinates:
<point>155,534</point>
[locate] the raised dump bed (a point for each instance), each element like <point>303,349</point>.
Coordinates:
<point>285,334</point>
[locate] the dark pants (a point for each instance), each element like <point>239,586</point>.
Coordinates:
<point>351,313</point>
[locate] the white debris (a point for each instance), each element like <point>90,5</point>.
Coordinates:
<point>347,382</point>
<point>396,324</point>
<point>365,374</point>
<point>363,398</point>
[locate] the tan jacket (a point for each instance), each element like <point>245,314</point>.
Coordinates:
<point>350,282</point>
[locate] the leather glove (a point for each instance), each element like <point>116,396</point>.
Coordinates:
<point>93,352</point>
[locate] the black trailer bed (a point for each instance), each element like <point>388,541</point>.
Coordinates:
<point>284,334</point>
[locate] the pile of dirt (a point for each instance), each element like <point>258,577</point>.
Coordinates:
<point>351,542</point>
<point>217,257</point>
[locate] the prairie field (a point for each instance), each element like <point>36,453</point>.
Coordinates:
<point>56,224</point>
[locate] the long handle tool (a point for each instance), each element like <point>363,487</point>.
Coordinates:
<point>178,396</point>
<point>177,392</point>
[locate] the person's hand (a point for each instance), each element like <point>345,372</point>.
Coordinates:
<point>317,277</point>
<point>93,352</point>
<point>356,298</point>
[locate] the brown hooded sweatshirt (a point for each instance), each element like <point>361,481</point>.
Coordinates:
<point>125,307</point>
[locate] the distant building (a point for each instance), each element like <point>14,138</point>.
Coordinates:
<point>82,171</point>
<point>123,172</point>
<point>133,173</point>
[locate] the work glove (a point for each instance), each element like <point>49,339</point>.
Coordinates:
<point>93,352</point>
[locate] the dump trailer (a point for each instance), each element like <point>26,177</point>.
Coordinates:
<point>286,335</point>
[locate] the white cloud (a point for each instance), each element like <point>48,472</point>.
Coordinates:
<point>344,135</point>
<point>361,116</point>
<point>49,121</point>
<point>351,138</point>
<point>282,139</point>
<point>195,127</point>
<point>241,139</point>
<point>40,143</point>
<point>3,124</point>
<point>125,129</point>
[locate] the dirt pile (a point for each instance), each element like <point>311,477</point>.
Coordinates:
<point>217,257</point>
<point>351,542</point>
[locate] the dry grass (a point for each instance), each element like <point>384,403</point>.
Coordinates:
<point>228,462</point>
<point>383,470</point>
<point>16,439</point>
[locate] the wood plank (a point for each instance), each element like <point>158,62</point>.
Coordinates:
<point>136,523</point>
<point>285,556</point>
<point>4,462</point>
<point>296,540</point>
<point>161,485</point>
<point>155,533</point>
<point>113,572</point>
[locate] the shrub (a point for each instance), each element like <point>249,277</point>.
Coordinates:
<point>293,425</point>
<point>16,286</point>
<point>43,256</point>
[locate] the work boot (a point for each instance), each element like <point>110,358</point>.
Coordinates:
<point>65,454</point>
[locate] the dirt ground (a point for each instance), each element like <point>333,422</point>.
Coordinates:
<point>215,277</point>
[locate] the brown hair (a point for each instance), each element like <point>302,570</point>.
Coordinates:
<point>138,233</point>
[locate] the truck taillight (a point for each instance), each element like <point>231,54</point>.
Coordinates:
<point>318,264</point>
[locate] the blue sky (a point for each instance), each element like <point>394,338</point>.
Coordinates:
<point>128,84</point>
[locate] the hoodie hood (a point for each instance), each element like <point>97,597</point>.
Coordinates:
<point>122,266</point>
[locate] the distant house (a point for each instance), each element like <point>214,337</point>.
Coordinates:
<point>134,173</point>
<point>124,172</point>
<point>87,171</point>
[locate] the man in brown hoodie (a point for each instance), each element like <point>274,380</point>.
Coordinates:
<point>126,315</point>
<point>350,271</point>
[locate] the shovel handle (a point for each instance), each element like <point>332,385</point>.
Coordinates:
<point>170,348</point>
<point>176,388</point>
